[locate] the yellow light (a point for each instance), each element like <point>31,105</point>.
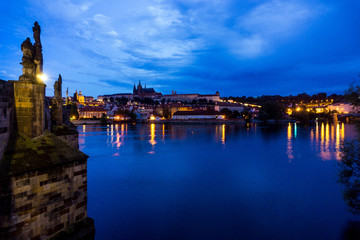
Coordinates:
<point>42,77</point>
<point>298,109</point>
<point>223,139</point>
<point>152,118</point>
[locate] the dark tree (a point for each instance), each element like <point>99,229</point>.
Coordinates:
<point>349,175</point>
<point>352,95</point>
<point>271,110</point>
<point>235,114</point>
<point>73,111</point>
<point>227,112</point>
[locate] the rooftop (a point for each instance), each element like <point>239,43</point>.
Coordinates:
<point>92,109</point>
<point>197,112</point>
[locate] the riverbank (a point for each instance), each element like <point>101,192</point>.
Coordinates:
<point>177,121</point>
<point>170,121</point>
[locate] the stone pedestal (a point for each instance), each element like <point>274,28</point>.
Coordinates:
<point>56,112</point>
<point>29,107</point>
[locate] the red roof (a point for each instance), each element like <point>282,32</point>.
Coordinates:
<point>92,109</point>
<point>229,104</point>
<point>196,112</point>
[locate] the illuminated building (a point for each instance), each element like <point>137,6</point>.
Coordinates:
<point>81,99</point>
<point>128,96</point>
<point>231,106</point>
<point>342,108</point>
<point>189,97</point>
<point>170,109</point>
<point>197,114</point>
<point>91,112</point>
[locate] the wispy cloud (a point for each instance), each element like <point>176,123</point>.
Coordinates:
<point>8,75</point>
<point>262,26</point>
<point>175,42</point>
<point>277,17</point>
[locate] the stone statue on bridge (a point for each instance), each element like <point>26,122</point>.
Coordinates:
<point>29,66</point>
<point>57,102</point>
<point>32,59</point>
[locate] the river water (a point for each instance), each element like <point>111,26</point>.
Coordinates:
<point>157,181</point>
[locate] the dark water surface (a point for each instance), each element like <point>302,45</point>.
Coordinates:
<point>155,181</point>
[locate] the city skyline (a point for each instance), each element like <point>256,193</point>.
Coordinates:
<point>253,48</point>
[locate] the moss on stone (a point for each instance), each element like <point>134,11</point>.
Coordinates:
<point>64,130</point>
<point>25,154</point>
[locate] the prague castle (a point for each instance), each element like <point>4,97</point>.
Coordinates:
<point>143,92</point>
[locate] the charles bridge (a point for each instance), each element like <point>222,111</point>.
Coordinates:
<point>43,174</point>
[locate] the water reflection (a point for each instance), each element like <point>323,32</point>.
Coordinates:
<point>163,132</point>
<point>289,151</point>
<point>220,133</point>
<point>192,185</point>
<point>152,134</point>
<point>223,134</point>
<point>324,137</point>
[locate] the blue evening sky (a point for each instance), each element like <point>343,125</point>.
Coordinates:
<point>247,47</point>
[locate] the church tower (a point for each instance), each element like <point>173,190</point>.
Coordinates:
<point>134,90</point>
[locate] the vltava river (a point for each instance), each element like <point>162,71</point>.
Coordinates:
<point>156,181</point>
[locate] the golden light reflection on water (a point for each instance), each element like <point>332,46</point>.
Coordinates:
<point>289,151</point>
<point>223,139</point>
<point>119,136</point>
<point>220,133</point>
<point>163,132</point>
<point>326,139</point>
<point>152,134</point>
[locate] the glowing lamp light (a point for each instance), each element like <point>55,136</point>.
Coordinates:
<point>152,118</point>
<point>42,77</point>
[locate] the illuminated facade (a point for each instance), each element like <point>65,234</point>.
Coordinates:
<point>170,109</point>
<point>102,98</point>
<point>197,114</point>
<point>231,106</point>
<point>191,97</point>
<point>91,112</point>
<point>344,108</point>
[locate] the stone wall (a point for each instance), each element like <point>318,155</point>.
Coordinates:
<point>6,114</point>
<point>29,107</point>
<point>39,204</point>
